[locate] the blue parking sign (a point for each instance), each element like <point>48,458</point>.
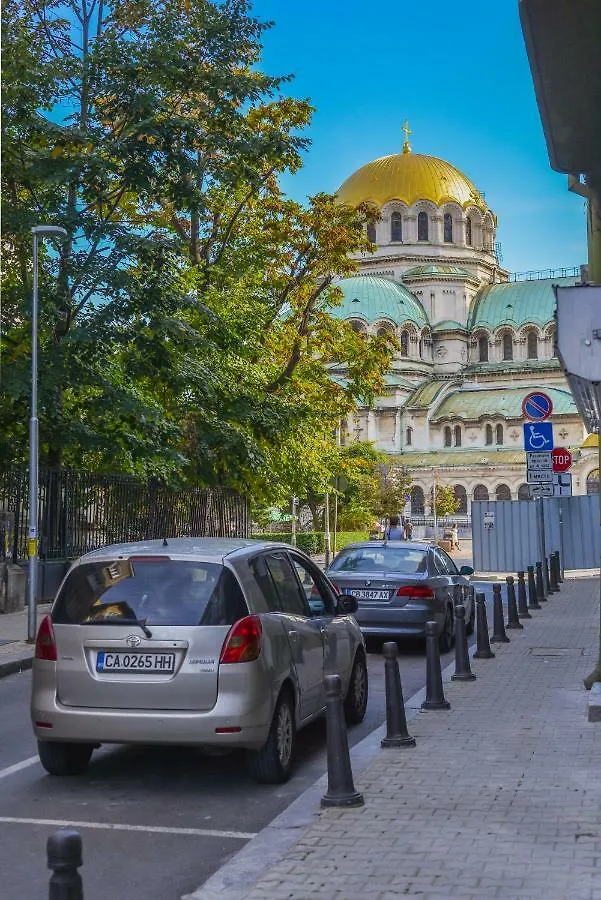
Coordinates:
<point>538,436</point>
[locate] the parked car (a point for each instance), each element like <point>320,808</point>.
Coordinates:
<point>211,642</point>
<point>401,585</point>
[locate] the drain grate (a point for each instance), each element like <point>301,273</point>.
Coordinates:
<point>557,651</point>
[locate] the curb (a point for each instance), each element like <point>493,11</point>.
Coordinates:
<point>18,664</point>
<point>237,877</point>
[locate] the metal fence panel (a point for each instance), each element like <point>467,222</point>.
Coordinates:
<point>580,542</point>
<point>511,542</point>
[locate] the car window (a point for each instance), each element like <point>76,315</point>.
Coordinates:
<point>266,584</point>
<point>160,592</point>
<point>381,559</point>
<point>441,563</point>
<point>317,595</point>
<point>449,563</point>
<point>291,598</point>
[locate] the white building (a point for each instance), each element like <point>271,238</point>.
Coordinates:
<point>473,342</point>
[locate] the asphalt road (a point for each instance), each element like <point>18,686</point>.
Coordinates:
<point>174,798</point>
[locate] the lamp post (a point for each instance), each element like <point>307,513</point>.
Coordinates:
<point>40,232</point>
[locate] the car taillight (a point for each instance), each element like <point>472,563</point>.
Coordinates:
<point>416,592</point>
<point>243,643</point>
<point>45,645</point>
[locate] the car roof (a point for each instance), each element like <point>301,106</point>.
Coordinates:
<point>411,545</point>
<point>205,549</point>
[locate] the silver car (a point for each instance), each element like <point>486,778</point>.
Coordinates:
<point>210,642</point>
<point>401,585</point>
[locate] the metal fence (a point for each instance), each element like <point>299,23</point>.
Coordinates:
<point>79,511</point>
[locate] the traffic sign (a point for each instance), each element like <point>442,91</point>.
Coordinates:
<point>541,490</point>
<point>562,459</point>
<point>534,476</point>
<point>538,436</point>
<point>537,406</point>
<point>562,484</point>
<point>540,461</point>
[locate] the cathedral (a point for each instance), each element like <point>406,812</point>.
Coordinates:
<point>473,339</point>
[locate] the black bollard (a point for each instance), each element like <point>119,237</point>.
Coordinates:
<point>463,671</point>
<point>341,789</point>
<point>546,580</point>
<point>396,722</point>
<point>482,642</point>
<point>498,635</point>
<point>522,599</point>
<point>555,571</point>
<point>559,573</point>
<point>435,698</point>
<point>540,584</point>
<point>513,620</point>
<point>532,601</point>
<point>63,850</point>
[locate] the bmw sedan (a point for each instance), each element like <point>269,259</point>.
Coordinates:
<point>401,585</point>
<point>211,642</point>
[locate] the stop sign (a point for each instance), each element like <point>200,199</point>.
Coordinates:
<point>561,458</point>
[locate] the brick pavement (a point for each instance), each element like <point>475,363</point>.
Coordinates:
<point>501,798</point>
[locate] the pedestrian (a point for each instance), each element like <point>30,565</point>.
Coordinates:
<point>455,537</point>
<point>394,532</point>
<point>408,529</point>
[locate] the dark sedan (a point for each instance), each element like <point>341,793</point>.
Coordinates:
<point>401,585</point>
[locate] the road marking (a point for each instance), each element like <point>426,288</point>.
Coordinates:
<point>152,829</point>
<point>24,764</point>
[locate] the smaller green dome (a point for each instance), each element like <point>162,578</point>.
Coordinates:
<point>449,325</point>
<point>437,269</point>
<point>372,297</point>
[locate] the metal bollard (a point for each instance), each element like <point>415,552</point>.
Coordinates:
<point>540,584</point>
<point>435,698</point>
<point>483,650</point>
<point>463,671</point>
<point>555,572</point>
<point>546,579</point>
<point>513,620</point>
<point>532,601</point>
<point>63,850</point>
<point>396,721</point>
<point>498,636</point>
<point>522,599</point>
<point>559,572</point>
<point>341,789</point>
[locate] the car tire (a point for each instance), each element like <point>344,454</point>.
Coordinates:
<point>355,702</point>
<point>59,758</point>
<point>471,622</point>
<point>446,638</point>
<point>273,763</point>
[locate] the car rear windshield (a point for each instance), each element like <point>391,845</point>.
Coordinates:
<point>381,559</point>
<point>161,592</point>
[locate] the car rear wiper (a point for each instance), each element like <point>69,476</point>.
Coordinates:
<point>113,620</point>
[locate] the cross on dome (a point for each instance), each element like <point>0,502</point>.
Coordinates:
<point>407,130</point>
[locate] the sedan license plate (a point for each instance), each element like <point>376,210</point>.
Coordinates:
<point>371,595</point>
<point>142,663</point>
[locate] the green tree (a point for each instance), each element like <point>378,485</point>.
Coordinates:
<point>446,502</point>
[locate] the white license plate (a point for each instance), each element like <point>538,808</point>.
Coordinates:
<point>143,663</point>
<point>371,595</point>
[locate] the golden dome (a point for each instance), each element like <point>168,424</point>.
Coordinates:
<point>409,177</point>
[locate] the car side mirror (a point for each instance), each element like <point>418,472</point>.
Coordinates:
<point>347,605</point>
<point>466,570</point>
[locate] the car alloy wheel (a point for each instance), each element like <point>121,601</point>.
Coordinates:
<point>355,702</point>
<point>284,734</point>
<point>447,634</point>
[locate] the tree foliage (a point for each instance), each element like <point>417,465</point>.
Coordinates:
<point>446,502</point>
<point>185,325</point>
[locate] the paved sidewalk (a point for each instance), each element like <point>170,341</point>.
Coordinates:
<point>16,654</point>
<point>501,798</point>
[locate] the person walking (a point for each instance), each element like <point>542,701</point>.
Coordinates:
<point>394,532</point>
<point>455,537</point>
<point>408,529</point>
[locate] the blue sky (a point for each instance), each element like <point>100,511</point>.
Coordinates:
<point>459,73</point>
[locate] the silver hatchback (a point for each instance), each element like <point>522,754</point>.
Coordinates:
<point>211,642</point>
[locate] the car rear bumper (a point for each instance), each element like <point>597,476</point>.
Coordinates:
<point>404,622</point>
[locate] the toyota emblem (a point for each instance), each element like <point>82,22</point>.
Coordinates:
<point>132,640</point>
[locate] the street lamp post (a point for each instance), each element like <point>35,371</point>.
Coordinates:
<point>39,232</point>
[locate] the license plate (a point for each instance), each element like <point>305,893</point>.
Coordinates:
<point>144,663</point>
<point>371,595</point>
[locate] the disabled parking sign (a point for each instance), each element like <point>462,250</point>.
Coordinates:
<point>538,436</point>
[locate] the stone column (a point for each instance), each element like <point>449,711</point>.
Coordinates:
<point>436,233</point>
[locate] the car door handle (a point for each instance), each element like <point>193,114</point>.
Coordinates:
<point>293,635</point>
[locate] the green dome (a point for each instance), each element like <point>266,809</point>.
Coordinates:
<point>437,269</point>
<point>516,303</point>
<point>372,297</point>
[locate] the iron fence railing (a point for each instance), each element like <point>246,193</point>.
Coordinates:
<point>80,511</point>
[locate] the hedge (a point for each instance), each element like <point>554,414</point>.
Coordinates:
<point>313,542</point>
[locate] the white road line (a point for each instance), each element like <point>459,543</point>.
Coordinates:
<point>24,764</point>
<point>153,829</point>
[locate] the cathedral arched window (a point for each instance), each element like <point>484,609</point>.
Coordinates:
<point>371,232</point>
<point>480,492</point>
<point>458,435</point>
<point>448,437</point>
<point>524,492</point>
<point>592,482</point>
<point>447,228</point>
<point>489,434</point>
<point>408,436</point>
<point>418,502</point>
<point>422,226</point>
<point>503,492</point>
<point>405,343</point>
<point>532,345</point>
<point>357,325</point>
<point>468,231</point>
<point>483,348</point>
<point>507,346</point>
<point>461,495</point>
<point>396,227</point>
<point>499,434</point>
